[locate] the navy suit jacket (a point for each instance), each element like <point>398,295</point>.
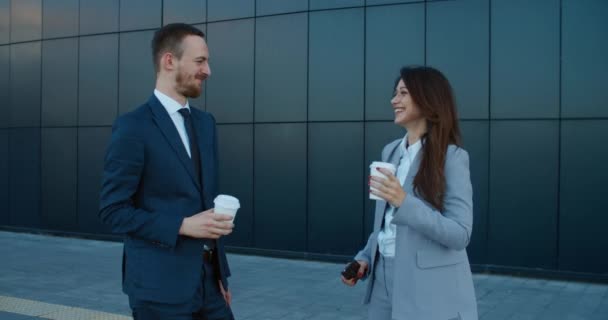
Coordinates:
<point>149,187</point>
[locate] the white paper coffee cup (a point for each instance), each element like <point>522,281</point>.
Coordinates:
<point>225,204</point>
<point>374,172</point>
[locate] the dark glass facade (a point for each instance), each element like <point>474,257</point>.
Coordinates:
<point>301,91</point>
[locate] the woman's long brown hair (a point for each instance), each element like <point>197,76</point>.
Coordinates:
<point>432,93</point>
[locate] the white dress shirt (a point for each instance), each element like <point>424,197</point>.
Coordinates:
<point>386,236</point>
<point>172,108</point>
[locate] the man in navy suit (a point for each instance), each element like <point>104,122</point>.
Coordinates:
<point>159,181</point>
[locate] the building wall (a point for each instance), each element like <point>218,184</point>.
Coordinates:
<point>301,91</point>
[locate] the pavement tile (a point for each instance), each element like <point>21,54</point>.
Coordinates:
<point>80,279</point>
<point>15,316</point>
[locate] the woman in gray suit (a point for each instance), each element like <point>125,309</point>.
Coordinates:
<point>415,257</point>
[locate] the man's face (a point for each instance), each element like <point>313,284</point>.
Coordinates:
<point>193,67</point>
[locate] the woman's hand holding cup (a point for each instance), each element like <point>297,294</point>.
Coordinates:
<point>387,188</point>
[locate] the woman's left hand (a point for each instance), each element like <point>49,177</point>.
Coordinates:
<point>388,189</point>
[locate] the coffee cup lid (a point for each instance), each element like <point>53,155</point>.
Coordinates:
<point>382,165</point>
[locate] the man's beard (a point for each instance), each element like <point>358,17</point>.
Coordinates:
<point>188,90</point>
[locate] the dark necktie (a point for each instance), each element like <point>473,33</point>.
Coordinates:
<point>194,152</point>
<point>195,155</point>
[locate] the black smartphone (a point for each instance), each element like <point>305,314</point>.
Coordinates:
<point>351,270</point>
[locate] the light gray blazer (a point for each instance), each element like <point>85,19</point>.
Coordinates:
<point>432,279</point>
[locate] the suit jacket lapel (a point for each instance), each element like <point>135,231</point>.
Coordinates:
<point>205,150</point>
<point>167,127</point>
<point>393,157</point>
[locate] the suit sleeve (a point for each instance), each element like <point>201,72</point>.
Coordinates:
<point>453,227</point>
<point>216,163</point>
<point>226,272</point>
<point>366,254</point>
<point>122,175</point>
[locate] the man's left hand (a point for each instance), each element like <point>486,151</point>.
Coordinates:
<point>388,189</point>
<point>226,293</point>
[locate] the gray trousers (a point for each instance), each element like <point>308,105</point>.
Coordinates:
<point>381,300</point>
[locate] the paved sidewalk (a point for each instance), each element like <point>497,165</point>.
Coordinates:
<point>63,278</point>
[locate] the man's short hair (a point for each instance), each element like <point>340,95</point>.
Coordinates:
<point>169,39</point>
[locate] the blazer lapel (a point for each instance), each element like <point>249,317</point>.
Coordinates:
<point>393,157</point>
<point>167,127</point>
<point>205,150</point>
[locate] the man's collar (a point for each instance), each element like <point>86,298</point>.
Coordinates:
<point>169,103</point>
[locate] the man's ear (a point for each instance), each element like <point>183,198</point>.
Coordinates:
<point>167,61</point>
